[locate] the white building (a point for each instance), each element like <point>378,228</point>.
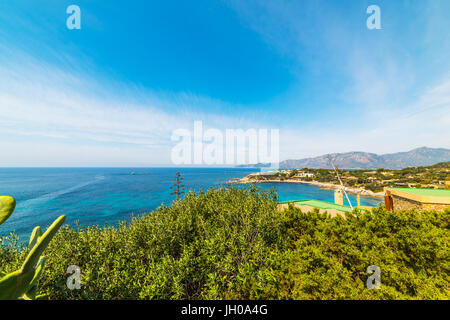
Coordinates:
<point>305,175</point>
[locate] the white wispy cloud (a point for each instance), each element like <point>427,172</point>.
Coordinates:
<point>64,115</point>
<point>390,101</point>
<point>396,130</point>
<point>63,112</point>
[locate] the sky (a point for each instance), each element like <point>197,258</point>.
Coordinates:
<point>113,92</point>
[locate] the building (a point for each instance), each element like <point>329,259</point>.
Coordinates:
<point>416,198</point>
<point>305,175</point>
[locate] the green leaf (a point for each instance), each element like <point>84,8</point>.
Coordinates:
<point>37,273</point>
<point>15,284</point>
<point>30,294</point>
<point>41,244</point>
<point>23,283</point>
<point>8,285</point>
<point>7,206</point>
<point>37,232</point>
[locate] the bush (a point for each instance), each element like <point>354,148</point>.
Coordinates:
<point>329,256</point>
<point>232,243</point>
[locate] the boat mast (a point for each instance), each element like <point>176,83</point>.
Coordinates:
<point>340,181</point>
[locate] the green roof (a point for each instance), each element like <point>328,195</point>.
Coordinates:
<point>425,192</point>
<point>319,204</point>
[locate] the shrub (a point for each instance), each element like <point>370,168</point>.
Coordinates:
<point>232,243</point>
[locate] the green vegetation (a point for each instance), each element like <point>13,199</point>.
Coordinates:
<point>232,243</point>
<point>434,176</point>
<point>22,283</point>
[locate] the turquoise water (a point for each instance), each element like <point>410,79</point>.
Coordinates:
<point>107,195</point>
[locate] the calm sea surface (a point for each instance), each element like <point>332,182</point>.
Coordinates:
<point>107,195</point>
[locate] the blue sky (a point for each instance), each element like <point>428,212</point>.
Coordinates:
<point>112,93</point>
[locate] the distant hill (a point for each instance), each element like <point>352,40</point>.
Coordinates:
<point>363,160</point>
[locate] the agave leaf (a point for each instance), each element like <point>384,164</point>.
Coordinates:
<point>37,232</point>
<point>41,244</point>
<point>15,284</point>
<point>20,284</point>
<point>8,285</point>
<point>38,271</point>
<point>30,294</point>
<point>7,206</point>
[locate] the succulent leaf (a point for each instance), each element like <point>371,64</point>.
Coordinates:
<point>38,271</point>
<point>15,284</point>
<point>37,232</point>
<point>7,206</point>
<point>41,244</point>
<point>22,284</point>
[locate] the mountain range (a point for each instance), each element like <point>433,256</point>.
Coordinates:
<point>364,160</point>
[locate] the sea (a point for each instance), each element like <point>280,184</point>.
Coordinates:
<point>103,196</point>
